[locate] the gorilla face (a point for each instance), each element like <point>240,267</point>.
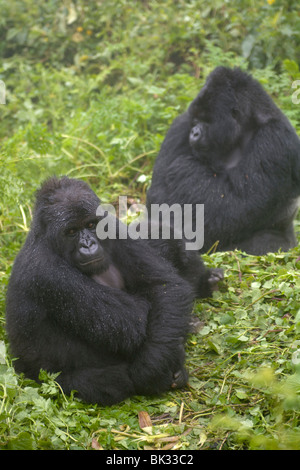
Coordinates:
<point>83,249</point>
<point>219,127</point>
<point>69,221</point>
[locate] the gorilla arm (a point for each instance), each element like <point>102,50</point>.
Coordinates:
<point>254,192</point>
<point>98,314</point>
<point>160,362</point>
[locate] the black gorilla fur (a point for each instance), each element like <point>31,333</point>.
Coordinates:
<point>112,316</point>
<point>235,152</point>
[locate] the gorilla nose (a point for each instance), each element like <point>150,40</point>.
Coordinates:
<point>88,246</point>
<point>195,134</point>
<point>86,242</point>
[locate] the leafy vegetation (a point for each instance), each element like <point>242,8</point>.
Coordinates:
<point>91,88</point>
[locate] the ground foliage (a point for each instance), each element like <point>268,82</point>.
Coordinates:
<point>91,88</point>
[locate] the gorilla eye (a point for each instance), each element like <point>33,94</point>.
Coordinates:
<point>71,232</point>
<point>91,225</point>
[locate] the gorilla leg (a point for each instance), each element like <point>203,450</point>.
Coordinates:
<point>266,241</point>
<point>105,386</point>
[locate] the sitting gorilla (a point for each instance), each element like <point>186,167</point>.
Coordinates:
<point>111,316</point>
<point>235,152</point>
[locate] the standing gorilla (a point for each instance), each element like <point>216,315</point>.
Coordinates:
<point>110,315</point>
<point>236,153</point>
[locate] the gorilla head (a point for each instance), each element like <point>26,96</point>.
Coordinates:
<point>68,221</point>
<point>224,116</point>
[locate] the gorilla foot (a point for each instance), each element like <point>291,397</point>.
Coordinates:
<point>195,325</point>
<point>180,378</point>
<point>215,276</point>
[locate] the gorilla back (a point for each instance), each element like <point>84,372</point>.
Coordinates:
<point>110,316</point>
<point>235,152</point>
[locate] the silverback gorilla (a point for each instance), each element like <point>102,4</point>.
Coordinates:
<point>111,315</point>
<point>235,152</point>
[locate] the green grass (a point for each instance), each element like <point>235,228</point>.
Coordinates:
<point>91,93</point>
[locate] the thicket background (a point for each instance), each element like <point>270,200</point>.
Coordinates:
<point>91,89</point>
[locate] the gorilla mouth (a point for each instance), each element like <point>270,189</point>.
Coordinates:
<point>94,260</point>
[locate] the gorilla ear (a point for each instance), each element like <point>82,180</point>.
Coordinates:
<point>262,107</point>
<point>262,116</point>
